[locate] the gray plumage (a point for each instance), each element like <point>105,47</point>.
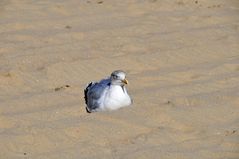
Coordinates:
<point>108,94</point>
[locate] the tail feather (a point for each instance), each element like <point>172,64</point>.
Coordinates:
<point>86,91</point>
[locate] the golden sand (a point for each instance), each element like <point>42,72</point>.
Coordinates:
<point>182,62</point>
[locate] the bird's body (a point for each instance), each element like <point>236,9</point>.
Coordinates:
<point>108,94</point>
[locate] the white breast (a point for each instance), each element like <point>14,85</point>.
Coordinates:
<point>115,98</point>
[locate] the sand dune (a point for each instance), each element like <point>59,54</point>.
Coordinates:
<point>182,61</point>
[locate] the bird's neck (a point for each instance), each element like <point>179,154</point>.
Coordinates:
<point>119,86</point>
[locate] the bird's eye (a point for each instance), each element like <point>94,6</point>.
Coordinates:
<point>115,77</point>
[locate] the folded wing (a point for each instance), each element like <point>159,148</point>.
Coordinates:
<point>93,92</point>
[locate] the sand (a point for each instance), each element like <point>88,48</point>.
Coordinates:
<point>182,64</point>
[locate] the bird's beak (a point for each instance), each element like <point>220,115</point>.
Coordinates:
<point>125,81</point>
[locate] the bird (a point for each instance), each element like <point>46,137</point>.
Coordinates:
<point>107,94</point>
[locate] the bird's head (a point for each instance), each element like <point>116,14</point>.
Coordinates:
<point>118,77</point>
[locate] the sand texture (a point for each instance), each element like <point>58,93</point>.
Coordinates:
<point>182,64</point>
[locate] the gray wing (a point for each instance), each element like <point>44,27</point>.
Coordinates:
<point>93,92</point>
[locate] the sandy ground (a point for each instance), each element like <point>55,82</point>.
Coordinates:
<point>182,60</point>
